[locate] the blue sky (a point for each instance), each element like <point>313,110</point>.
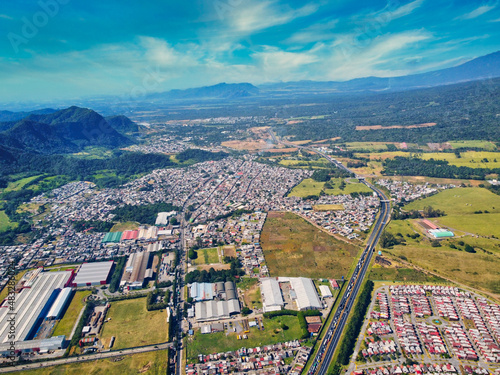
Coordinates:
<point>63,49</point>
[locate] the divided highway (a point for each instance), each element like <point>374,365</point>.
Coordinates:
<point>333,333</point>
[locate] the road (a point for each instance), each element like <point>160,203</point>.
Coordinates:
<point>88,357</point>
<point>331,339</point>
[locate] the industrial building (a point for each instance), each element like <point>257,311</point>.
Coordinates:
<point>130,235</point>
<point>40,346</point>
<point>207,291</point>
<point>163,218</point>
<point>91,274</point>
<point>137,270</point>
<point>32,305</point>
<point>60,304</point>
<point>325,291</point>
<point>272,299</point>
<point>303,292</point>
<point>214,310</point>
<point>112,237</point>
<point>148,233</point>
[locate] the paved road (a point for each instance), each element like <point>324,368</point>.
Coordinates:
<point>327,348</point>
<point>89,357</point>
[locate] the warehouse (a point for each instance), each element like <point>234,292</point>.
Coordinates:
<point>148,233</point>
<point>137,270</point>
<point>40,346</point>
<point>214,310</point>
<point>112,237</point>
<point>130,235</point>
<point>201,291</point>
<point>272,299</point>
<point>303,292</point>
<point>32,305</point>
<point>162,218</point>
<point>325,291</point>
<point>60,304</point>
<point>93,274</point>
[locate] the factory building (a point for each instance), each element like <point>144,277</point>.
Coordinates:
<point>29,346</point>
<point>60,304</point>
<point>214,310</point>
<point>137,270</point>
<point>130,235</point>
<point>31,305</point>
<point>272,299</point>
<point>214,301</point>
<point>303,292</point>
<point>91,274</point>
<point>147,233</point>
<point>112,237</point>
<point>163,218</point>
<point>325,291</point>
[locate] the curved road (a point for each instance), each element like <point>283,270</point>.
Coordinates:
<point>332,336</point>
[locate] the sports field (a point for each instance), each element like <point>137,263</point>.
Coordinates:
<point>66,324</point>
<point>206,256</point>
<point>294,247</point>
<point>221,342</point>
<point>151,363</point>
<point>132,325</point>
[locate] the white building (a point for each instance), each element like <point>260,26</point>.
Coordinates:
<point>272,299</point>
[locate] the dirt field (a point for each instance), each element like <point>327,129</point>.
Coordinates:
<point>293,247</point>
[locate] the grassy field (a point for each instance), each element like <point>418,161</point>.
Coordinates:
<point>128,225</point>
<point>460,201</point>
<point>294,247</point>
<point>5,222</point>
<point>479,270</point>
<point>307,187</point>
<point>220,342</point>
<point>251,292</point>
<point>378,273</point>
<point>66,324</point>
<point>19,184</point>
<point>151,363</point>
<point>486,145</point>
<point>132,325</point>
<point>483,224</point>
<point>206,256</point>
<point>352,186</point>
<point>369,146</point>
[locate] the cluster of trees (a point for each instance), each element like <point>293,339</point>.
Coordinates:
<point>144,214</point>
<point>212,276</point>
<point>427,212</point>
<point>114,284</point>
<point>355,324</point>
<point>92,226</point>
<point>404,166</point>
<point>387,240</point>
<point>322,175</point>
<point>152,297</point>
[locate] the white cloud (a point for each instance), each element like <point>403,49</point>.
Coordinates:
<point>390,12</point>
<point>320,31</point>
<point>263,15</point>
<point>477,12</point>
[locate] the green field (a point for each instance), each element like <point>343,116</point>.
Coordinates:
<point>486,145</point>
<point>307,187</point>
<point>315,164</point>
<point>222,342</point>
<point>352,186</point>
<point>19,184</point>
<point>150,363</point>
<point>483,224</point>
<point>206,256</point>
<point>65,325</point>
<point>5,222</point>
<point>460,201</point>
<point>294,247</point>
<point>128,225</point>
<point>369,146</point>
<point>402,274</point>
<point>132,325</point>
<point>471,159</point>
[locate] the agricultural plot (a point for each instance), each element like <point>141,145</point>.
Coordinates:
<point>294,247</point>
<point>486,145</point>
<point>307,187</point>
<point>132,325</point>
<point>150,363</point>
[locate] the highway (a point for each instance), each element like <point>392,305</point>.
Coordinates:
<point>331,338</point>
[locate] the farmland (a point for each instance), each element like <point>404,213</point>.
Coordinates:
<point>150,363</point>
<point>293,247</point>
<point>133,325</point>
<point>309,187</point>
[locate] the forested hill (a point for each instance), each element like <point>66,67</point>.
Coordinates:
<point>462,111</point>
<point>65,131</point>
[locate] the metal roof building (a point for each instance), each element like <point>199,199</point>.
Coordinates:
<point>44,345</point>
<point>201,291</point>
<point>112,237</point>
<point>214,310</point>
<point>93,274</point>
<point>59,304</point>
<point>271,295</point>
<point>325,291</point>
<point>307,297</point>
<point>441,233</point>
<point>31,305</point>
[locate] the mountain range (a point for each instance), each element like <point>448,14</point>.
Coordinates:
<point>65,131</point>
<point>483,67</point>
